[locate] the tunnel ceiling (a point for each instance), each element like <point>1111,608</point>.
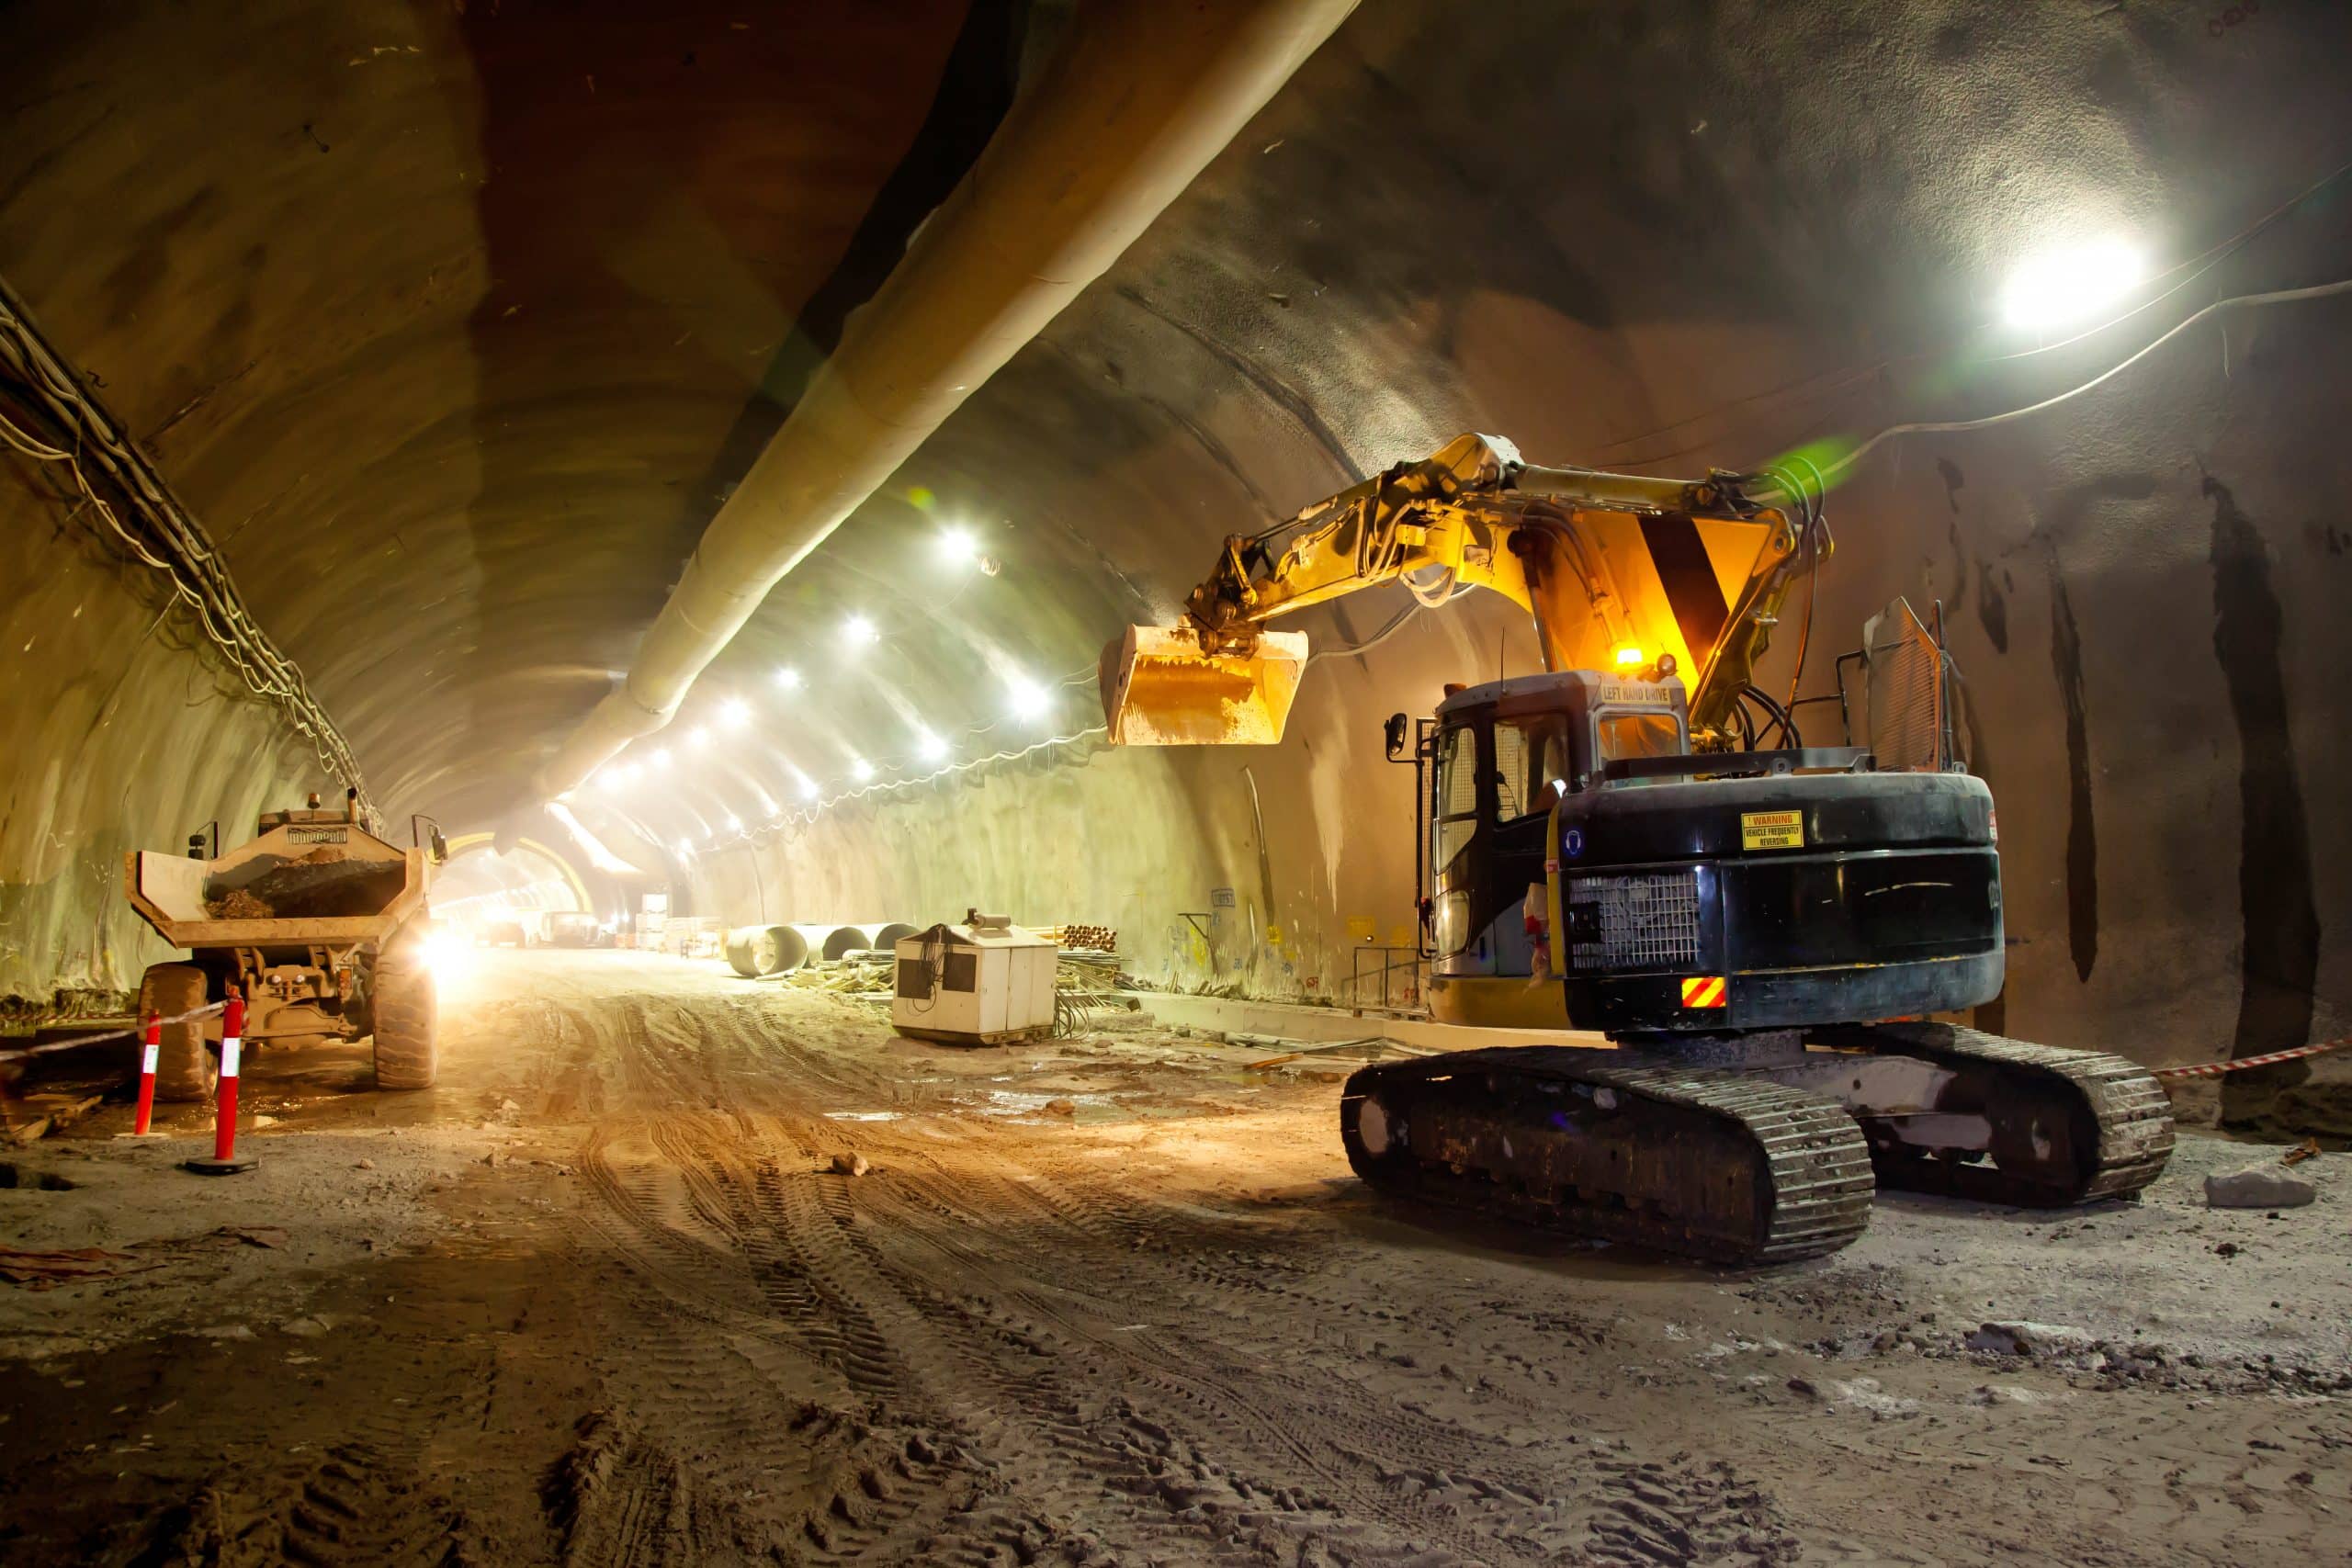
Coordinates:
<point>456,323</point>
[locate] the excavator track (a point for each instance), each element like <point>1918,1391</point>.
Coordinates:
<point>2067,1126</point>
<point>1715,1165</point>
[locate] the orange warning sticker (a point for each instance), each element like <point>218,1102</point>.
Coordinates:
<point>1704,991</point>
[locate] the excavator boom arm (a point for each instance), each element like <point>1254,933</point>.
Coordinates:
<point>1615,568</point>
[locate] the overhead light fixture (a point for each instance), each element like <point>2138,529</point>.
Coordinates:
<point>734,713</point>
<point>686,848</point>
<point>807,786</point>
<point>957,546</point>
<point>734,824</point>
<point>2062,286</point>
<point>929,746</point>
<point>788,678</point>
<point>1026,700</point>
<point>661,756</point>
<point>698,737</point>
<point>858,631</point>
<point>861,768</point>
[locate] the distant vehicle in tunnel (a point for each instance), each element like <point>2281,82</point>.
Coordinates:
<point>503,934</point>
<point>1759,928</point>
<point>567,928</point>
<point>320,924</point>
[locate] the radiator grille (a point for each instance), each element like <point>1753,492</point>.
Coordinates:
<point>1635,922</point>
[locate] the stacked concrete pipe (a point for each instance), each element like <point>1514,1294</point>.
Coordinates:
<point>755,950</point>
<point>831,943</point>
<point>887,936</point>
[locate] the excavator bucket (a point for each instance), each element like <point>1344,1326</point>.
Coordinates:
<point>1160,689</point>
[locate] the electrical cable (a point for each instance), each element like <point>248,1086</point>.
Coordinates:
<point>1827,382</point>
<point>1954,427</point>
<point>167,539</point>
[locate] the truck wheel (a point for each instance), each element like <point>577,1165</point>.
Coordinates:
<point>407,1016</point>
<point>186,1069</point>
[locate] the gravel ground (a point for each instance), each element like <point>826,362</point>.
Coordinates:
<point>599,1298</point>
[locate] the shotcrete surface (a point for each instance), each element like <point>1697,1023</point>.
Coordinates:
<point>1112,1299</point>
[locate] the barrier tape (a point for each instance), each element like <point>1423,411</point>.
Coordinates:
<point>132,1033</point>
<point>2215,1069</point>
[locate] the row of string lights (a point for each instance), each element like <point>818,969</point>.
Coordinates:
<point>1024,703</point>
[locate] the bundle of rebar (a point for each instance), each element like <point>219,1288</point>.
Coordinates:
<point>1104,938</point>
<point>863,972</point>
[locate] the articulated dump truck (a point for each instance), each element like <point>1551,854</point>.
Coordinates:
<point>1778,940</point>
<point>321,926</point>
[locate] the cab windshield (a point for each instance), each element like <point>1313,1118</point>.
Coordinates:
<point>1639,735</point>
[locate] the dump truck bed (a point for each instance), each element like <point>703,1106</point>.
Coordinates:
<point>311,884</point>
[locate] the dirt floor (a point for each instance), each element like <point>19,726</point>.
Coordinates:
<point>599,1298</point>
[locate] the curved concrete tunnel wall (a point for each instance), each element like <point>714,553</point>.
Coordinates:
<point>459,407</point>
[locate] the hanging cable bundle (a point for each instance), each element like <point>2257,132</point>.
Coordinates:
<point>83,438</point>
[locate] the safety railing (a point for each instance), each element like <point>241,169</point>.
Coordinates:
<point>1396,970</point>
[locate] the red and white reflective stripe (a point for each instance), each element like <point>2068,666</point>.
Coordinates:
<point>224,1126</point>
<point>150,1053</point>
<point>2215,1069</point>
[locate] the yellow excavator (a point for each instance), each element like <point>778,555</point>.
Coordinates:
<point>1764,933</point>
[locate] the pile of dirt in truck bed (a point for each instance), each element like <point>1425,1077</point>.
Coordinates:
<point>323,885</point>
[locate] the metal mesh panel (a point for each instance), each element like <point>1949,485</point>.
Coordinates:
<point>1906,692</point>
<point>1635,922</point>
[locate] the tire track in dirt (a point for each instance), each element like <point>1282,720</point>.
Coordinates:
<point>778,1216</point>
<point>924,1289</point>
<point>1201,1389</point>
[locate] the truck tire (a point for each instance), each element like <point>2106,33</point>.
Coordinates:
<point>407,1016</point>
<point>186,1068</point>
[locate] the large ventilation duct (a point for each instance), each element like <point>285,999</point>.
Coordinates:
<point>1143,94</point>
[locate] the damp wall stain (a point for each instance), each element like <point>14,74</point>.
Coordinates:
<point>2278,918</point>
<point>2082,827</point>
<point>1992,608</point>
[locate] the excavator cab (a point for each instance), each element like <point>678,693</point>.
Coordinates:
<point>1497,760</point>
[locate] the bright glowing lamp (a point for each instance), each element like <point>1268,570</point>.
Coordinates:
<point>957,547</point>
<point>734,824</point>
<point>661,756</point>
<point>447,955</point>
<point>734,713</point>
<point>929,746</point>
<point>1627,656</point>
<point>788,678</point>
<point>2062,286</point>
<point>858,631</point>
<point>1026,700</point>
<point>861,768</point>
